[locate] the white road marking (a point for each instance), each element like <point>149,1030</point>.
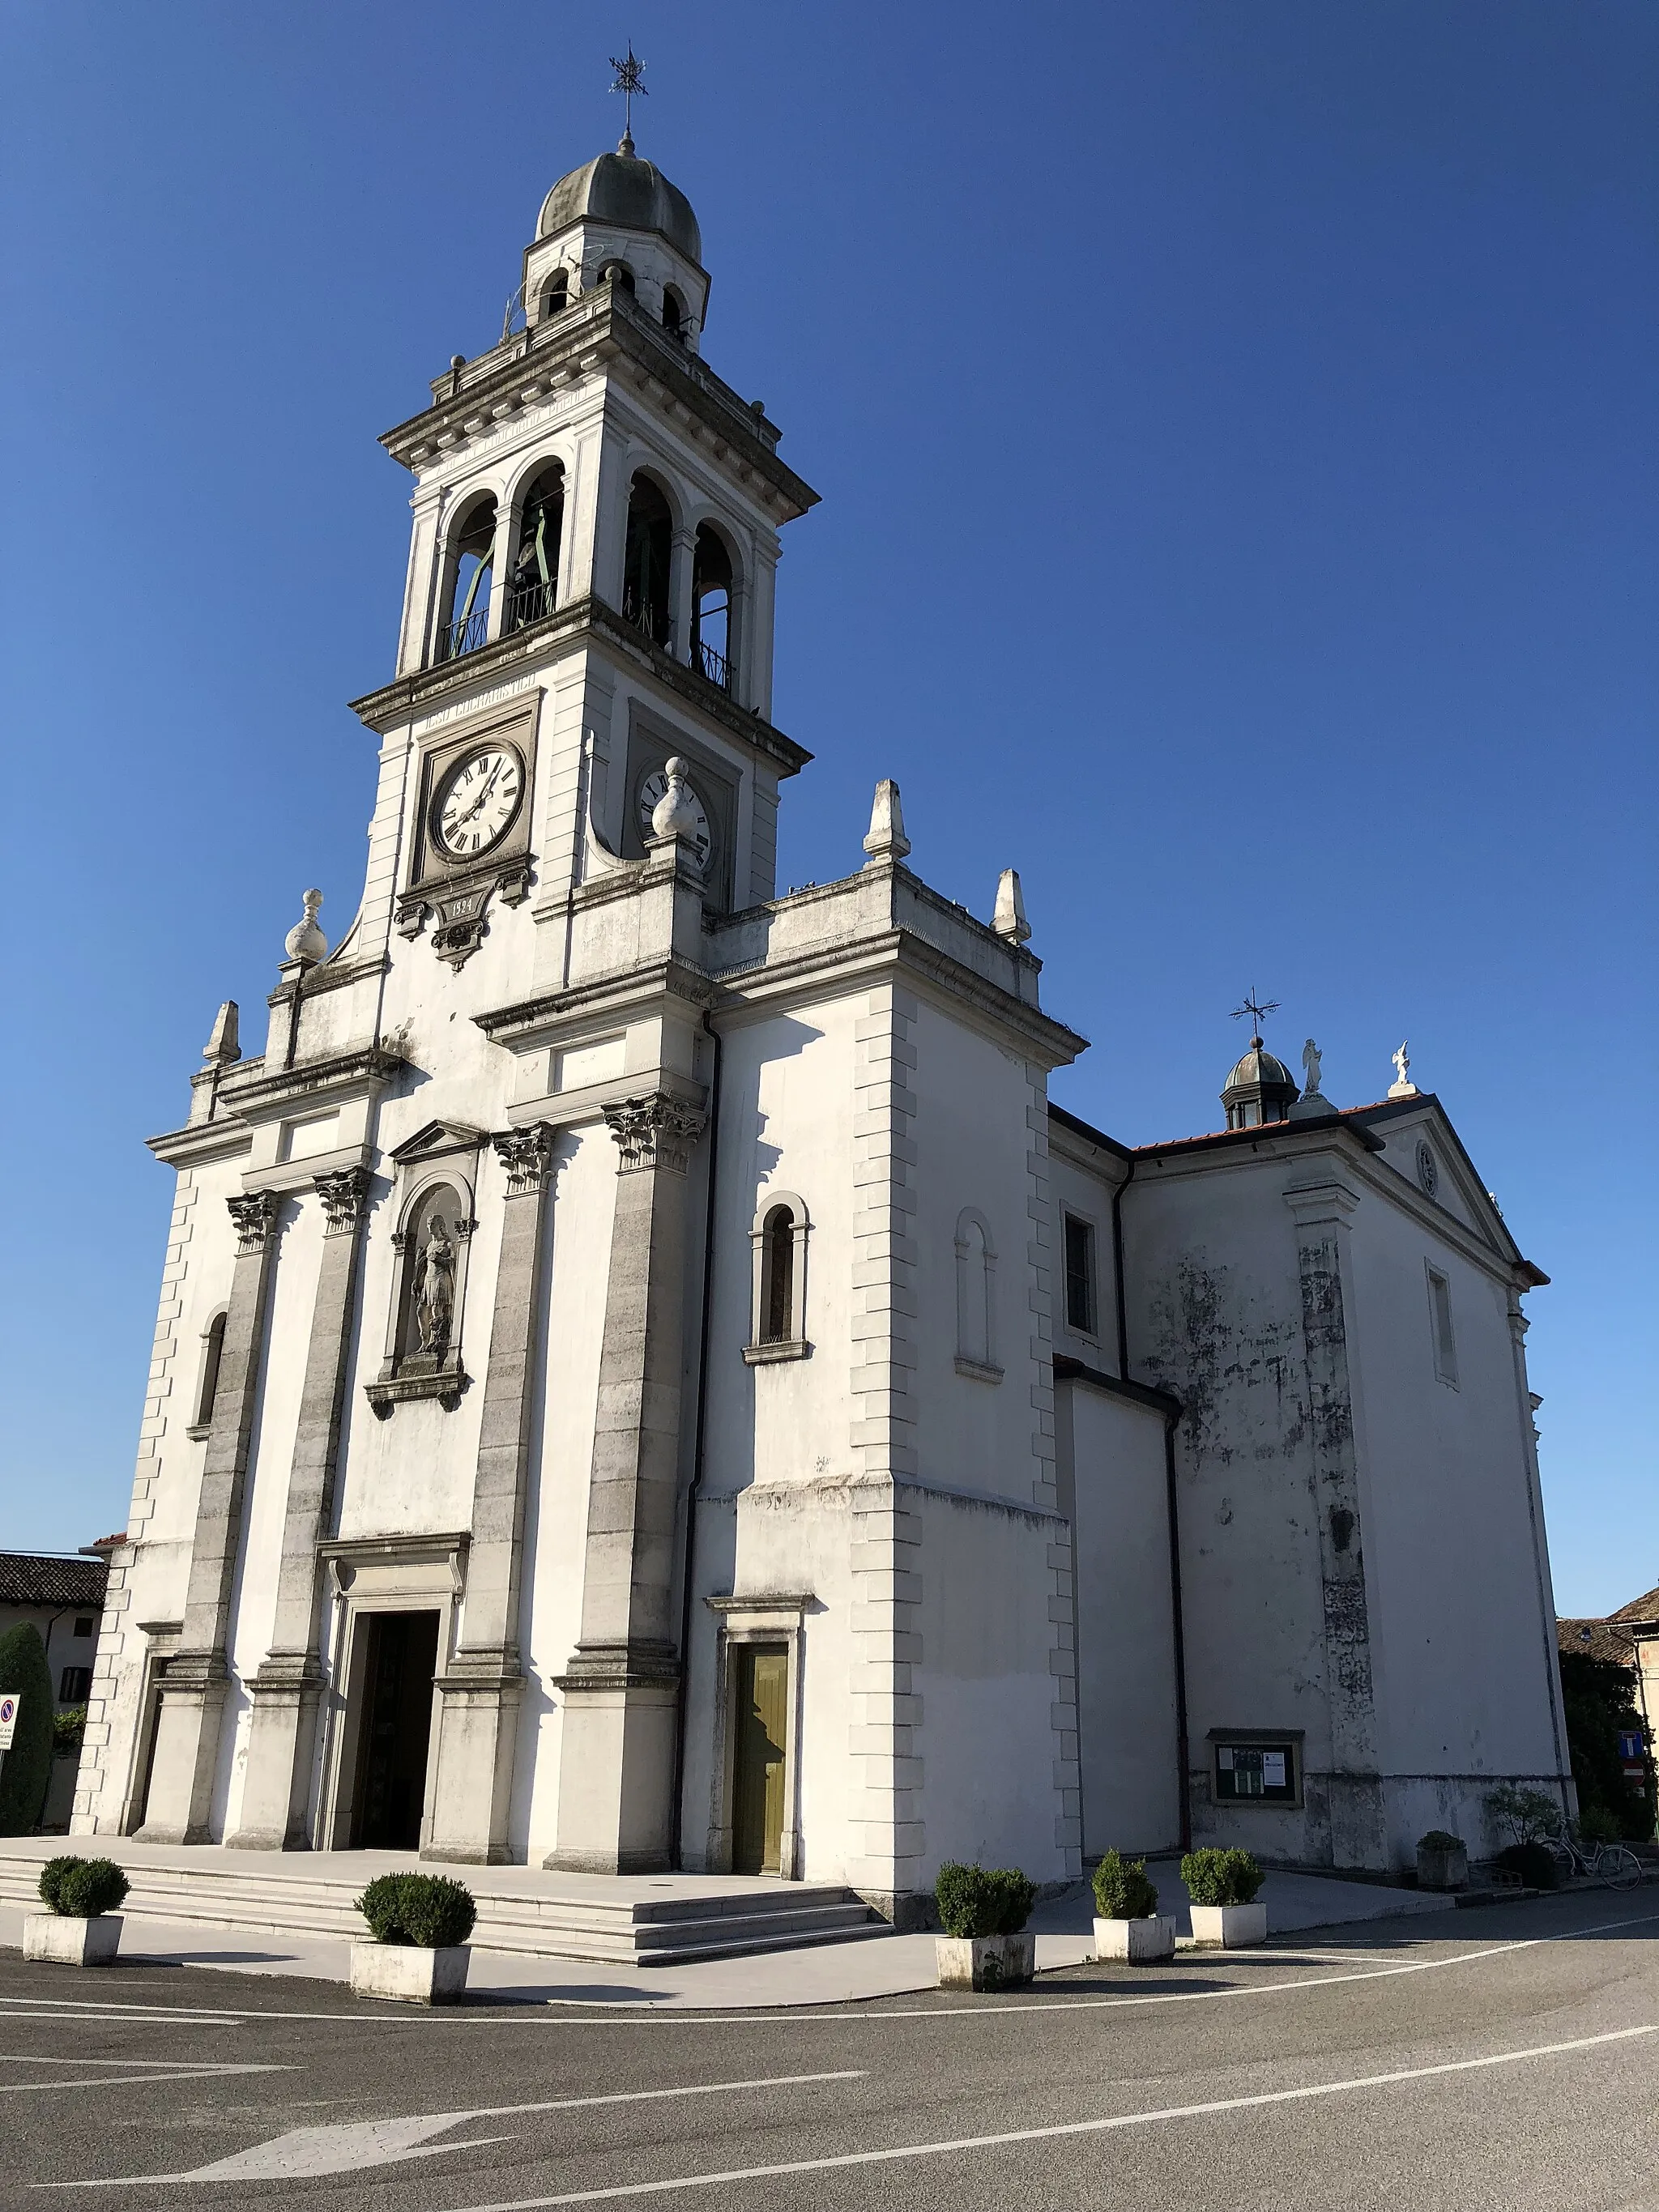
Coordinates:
<point>519,2015</point>
<point>83,2081</point>
<point>351,2145</point>
<point>1069,2128</point>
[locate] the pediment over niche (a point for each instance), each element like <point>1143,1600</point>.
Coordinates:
<point>436,1138</point>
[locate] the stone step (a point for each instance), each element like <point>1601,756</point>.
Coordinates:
<point>625,1929</point>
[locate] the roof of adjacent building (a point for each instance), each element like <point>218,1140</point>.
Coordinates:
<point>621,189</point>
<point>1640,1610</point>
<point>38,1578</point>
<point>1597,1639</point>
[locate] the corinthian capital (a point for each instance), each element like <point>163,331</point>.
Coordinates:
<point>658,1129</point>
<point>343,1194</point>
<point>526,1154</point>
<point>255,1216</point>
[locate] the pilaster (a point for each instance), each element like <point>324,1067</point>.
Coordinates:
<point>1358,1832</point>
<point>481,1686</point>
<point>616,1756</point>
<point>287,1687</point>
<point>194,1685</point>
<point>1045,1484</point>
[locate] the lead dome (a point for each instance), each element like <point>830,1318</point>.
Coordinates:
<point>620,188</point>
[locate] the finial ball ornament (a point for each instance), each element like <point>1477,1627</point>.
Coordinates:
<point>305,941</point>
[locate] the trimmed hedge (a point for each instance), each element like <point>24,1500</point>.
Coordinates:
<point>427,1910</point>
<point>976,1901</point>
<point>1122,1891</point>
<point>25,1768</point>
<point>1439,1839</point>
<point>1215,1877</point>
<point>80,1889</point>
<point>1537,1867</point>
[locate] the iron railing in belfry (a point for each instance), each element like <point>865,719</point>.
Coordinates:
<point>465,636</point>
<point>528,604</point>
<point>714,665</point>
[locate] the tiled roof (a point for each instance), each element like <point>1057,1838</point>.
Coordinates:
<point>30,1579</point>
<point>1639,1609</point>
<point>1598,1639</point>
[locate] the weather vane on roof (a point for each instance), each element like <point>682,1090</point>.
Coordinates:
<point>1257,1010</point>
<point>627,81</point>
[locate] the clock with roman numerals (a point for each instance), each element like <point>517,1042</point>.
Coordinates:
<point>478,803</point>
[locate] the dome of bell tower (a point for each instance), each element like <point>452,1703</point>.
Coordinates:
<point>631,194</point>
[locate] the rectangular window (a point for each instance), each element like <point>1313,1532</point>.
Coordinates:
<point>1079,1275</point>
<point>1261,1773</point>
<point>75,1685</point>
<point>1445,1346</point>
<point>85,1624</point>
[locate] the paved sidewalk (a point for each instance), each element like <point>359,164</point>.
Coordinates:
<point>829,1973</point>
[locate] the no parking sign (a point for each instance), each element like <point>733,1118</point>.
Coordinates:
<point>9,1704</point>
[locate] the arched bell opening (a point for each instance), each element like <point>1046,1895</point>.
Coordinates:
<point>712,642</point>
<point>533,584</point>
<point>465,625</point>
<point>556,295</point>
<point>647,559</point>
<point>673,313</point>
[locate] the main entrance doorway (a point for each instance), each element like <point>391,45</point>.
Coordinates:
<point>762,1717</point>
<point>396,1724</point>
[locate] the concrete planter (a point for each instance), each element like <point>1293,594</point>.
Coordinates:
<point>985,1962</point>
<point>65,1941</point>
<point>1229,1927</point>
<point>1439,1869</point>
<point>1142,1942</point>
<point>410,1972</point>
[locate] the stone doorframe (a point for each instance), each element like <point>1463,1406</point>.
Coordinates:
<point>160,1642</point>
<point>773,1618</point>
<point>369,1575</point>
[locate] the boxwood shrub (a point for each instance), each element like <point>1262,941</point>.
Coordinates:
<point>1439,1839</point>
<point>1215,1877</point>
<point>1537,1867</point>
<point>976,1901</point>
<point>427,1910</point>
<point>1122,1891</point>
<point>80,1889</point>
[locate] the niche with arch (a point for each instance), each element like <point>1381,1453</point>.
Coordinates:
<point>778,1311</point>
<point>533,583</point>
<point>464,625</point>
<point>430,1246</point>
<point>647,559</point>
<point>207,1382</point>
<point>976,1304</point>
<point>711,640</point>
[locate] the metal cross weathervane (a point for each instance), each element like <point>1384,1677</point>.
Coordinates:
<point>1257,1010</point>
<point>627,81</point>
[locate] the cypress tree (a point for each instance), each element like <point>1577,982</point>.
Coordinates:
<point>25,1768</point>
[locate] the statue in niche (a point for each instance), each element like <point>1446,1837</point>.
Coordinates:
<point>432,1289</point>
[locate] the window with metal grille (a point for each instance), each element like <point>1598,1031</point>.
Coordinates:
<point>74,1686</point>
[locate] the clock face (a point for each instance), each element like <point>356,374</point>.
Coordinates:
<point>478,802</point>
<point>655,788</point>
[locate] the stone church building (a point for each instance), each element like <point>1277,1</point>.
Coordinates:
<point>645,1375</point>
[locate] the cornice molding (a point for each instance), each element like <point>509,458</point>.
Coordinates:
<point>368,1067</point>
<point>531,1022</point>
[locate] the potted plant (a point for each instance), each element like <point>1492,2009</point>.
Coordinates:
<point>1128,1923</point>
<point>419,1924</point>
<point>983,1912</point>
<point>80,1926</point>
<point>1443,1862</point>
<point>1222,1886</point>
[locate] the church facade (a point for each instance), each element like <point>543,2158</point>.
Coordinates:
<point>645,1375</point>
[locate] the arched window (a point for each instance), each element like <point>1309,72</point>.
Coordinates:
<point>646,560</point>
<point>556,294</point>
<point>673,312</point>
<point>619,274</point>
<point>778,1330</point>
<point>465,626</point>
<point>213,1353</point>
<point>977,1264</point>
<point>533,586</point>
<point>711,609</point>
<point>428,1327</point>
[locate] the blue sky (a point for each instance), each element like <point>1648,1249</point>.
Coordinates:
<point>1235,425</point>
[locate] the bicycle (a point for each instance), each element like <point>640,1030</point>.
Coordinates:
<point>1615,1864</point>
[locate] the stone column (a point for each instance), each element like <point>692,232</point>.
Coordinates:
<point>481,1686</point>
<point>681,561</point>
<point>194,1687</point>
<point>1357,1825</point>
<point>287,1686</point>
<point>616,1756</point>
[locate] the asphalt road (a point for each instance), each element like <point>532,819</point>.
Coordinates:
<point>1508,2062</point>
